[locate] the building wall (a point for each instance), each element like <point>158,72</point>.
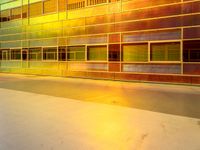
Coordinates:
<point>113,39</point>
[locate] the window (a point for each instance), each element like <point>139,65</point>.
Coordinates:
<point>35,54</point>
<point>0,54</point>
<point>95,2</point>
<point>24,54</point>
<point>112,1</point>
<point>76,5</point>
<point>15,54</point>
<point>5,54</point>
<point>165,52</point>
<point>16,13</point>
<point>5,15</point>
<point>193,55</point>
<point>35,9</point>
<point>62,53</point>
<point>114,52</point>
<point>191,51</point>
<point>76,53</point>
<point>50,53</point>
<point>135,52</point>
<point>62,5</point>
<point>97,53</point>
<point>50,6</point>
<point>25,11</point>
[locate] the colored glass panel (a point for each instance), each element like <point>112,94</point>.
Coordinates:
<point>50,53</point>
<point>165,52</point>
<point>97,53</point>
<point>191,51</point>
<point>16,13</point>
<point>36,9</point>
<point>76,53</point>
<point>35,54</point>
<point>5,15</point>
<point>15,54</point>
<point>114,52</point>
<point>135,52</point>
<point>50,6</point>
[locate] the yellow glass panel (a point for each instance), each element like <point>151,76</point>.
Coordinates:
<point>10,5</point>
<point>44,19</point>
<point>138,52</point>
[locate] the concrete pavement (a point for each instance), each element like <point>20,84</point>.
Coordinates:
<point>50,113</point>
<point>171,99</point>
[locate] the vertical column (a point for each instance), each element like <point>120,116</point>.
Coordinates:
<point>120,59</point>
<point>114,52</point>
<point>41,53</point>
<point>107,52</point>
<point>149,51</point>
<point>57,53</point>
<point>181,51</point>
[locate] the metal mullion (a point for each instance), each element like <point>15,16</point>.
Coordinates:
<point>107,46</point>
<point>181,51</point>
<point>120,53</point>
<point>86,52</point>
<point>149,52</point>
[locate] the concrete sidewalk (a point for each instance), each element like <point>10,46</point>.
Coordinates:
<point>30,121</point>
<point>165,98</point>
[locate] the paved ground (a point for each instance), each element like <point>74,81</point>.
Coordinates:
<point>51,113</point>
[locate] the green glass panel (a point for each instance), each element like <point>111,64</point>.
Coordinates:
<point>44,42</point>
<point>165,52</point>
<point>135,52</point>
<point>158,53</point>
<point>35,54</point>
<point>16,54</point>
<point>11,23</point>
<point>11,37</point>
<point>76,53</point>
<point>50,53</point>
<point>97,53</point>
<point>11,44</point>
<point>174,52</point>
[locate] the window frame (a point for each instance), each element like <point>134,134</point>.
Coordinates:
<point>75,53</point>
<point>38,14</point>
<point>14,54</point>
<point>8,17</point>
<point>166,52</point>
<point>46,51</point>
<point>7,51</point>
<point>12,16</point>
<point>49,12</point>
<point>97,60</point>
<point>38,52</point>
<point>134,44</point>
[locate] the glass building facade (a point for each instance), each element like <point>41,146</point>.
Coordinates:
<point>154,40</point>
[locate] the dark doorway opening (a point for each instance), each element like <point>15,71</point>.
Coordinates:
<point>25,55</point>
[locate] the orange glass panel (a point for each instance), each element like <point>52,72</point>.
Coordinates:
<point>113,38</point>
<point>16,13</point>
<point>36,9</point>
<point>50,6</point>
<point>5,15</point>
<point>62,5</point>
<point>25,11</point>
<point>115,67</point>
